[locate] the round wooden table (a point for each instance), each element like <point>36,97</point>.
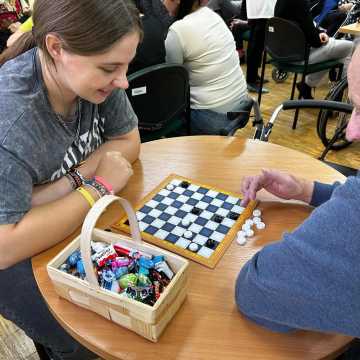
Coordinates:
<point>208,326</point>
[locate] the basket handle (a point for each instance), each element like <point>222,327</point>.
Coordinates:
<point>89,225</point>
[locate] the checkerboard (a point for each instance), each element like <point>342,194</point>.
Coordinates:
<point>194,220</point>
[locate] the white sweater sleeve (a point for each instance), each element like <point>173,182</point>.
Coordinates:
<point>174,50</point>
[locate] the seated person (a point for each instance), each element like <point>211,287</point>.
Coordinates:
<point>310,279</point>
<point>323,47</point>
<point>156,20</point>
<point>201,41</point>
<point>151,49</point>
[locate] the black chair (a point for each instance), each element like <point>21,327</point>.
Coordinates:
<point>286,44</point>
<point>160,97</point>
<point>264,131</point>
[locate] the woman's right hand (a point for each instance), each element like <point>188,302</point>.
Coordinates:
<point>282,185</point>
<point>115,169</point>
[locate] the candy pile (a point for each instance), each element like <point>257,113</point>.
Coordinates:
<point>126,271</point>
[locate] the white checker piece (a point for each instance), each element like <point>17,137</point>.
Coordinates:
<point>202,205</point>
<point>191,217</point>
<point>183,198</point>
<point>164,192</point>
<point>170,210</point>
<point>197,196</point>
<point>174,220</point>
<point>193,187</point>
<point>195,228</point>
<point>183,243</point>
<point>140,215</point>
<point>167,201</point>
<point>179,190</point>
<point>152,203</point>
<point>186,207</point>
<point>205,252</point>
<point>232,200</point>
<point>179,231</point>
<point>158,223</point>
<point>161,234</point>
<point>155,213</point>
<point>176,182</point>
<point>207,215</point>
<point>222,212</point>
<point>212,225</point>
<point>212,193</point>
<point>217,202</point>
<point>200,239</point>
<point>217,236</point>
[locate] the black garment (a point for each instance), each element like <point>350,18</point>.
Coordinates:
<point>332,21</point>
<point>255,46</point>
<point>299,12</point>
<point>151,50</point>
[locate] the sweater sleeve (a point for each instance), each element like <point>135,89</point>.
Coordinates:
<point>322,192</point>
<point>174,50</point>
<point>308,280</point>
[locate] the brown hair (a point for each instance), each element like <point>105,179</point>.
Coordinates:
<point>85,27</point>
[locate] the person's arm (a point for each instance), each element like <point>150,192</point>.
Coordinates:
<point>306,280</point>
<point>174,50</point>
<point>128,145</point>
<point>43,226</point>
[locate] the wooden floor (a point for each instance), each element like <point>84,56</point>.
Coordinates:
<point>14,345</point>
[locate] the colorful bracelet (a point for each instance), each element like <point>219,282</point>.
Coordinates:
<point>72,181</point>
<point>78,179</point>
<point>104,183</point>
<point>86,195</point>
<point>98,187</point>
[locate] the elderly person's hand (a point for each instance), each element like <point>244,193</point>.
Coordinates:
<point>282,185</point>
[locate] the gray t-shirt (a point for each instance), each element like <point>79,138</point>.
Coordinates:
<point>36,146</point>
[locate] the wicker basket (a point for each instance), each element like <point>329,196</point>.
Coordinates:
<point>148,321</point>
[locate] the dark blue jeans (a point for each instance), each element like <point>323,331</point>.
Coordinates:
<point>22,303</point>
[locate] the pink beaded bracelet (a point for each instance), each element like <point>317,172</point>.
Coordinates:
<point>105,184</point>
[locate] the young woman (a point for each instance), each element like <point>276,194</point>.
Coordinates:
<point>201,41</point>
<point>61,103</point>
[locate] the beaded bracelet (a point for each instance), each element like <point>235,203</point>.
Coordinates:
<point>98,187</point>
<point>78,179</point>
<point>104,183</point>
<point>87,195</point>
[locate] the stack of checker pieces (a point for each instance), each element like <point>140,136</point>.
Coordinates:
<point>191,219</point>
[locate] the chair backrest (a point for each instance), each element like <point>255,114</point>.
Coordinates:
<point>285,41</point>
<point>159,94</point>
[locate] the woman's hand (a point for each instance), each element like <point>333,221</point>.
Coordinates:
<point>282,185</point>
<point>115,169</point>
<point>324,38</point>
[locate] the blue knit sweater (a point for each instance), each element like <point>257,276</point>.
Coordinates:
<point>311,278</point>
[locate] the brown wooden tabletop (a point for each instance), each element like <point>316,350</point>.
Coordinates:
<point>208,326</point>
<point>353,29</point>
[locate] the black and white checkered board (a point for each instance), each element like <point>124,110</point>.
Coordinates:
<point>212,216</point>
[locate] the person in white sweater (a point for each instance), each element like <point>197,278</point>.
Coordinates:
<point>201,41</point>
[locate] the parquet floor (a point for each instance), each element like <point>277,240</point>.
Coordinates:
<point>14,345</point>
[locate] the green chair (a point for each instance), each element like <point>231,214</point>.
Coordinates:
<point>160,97</point>
<point>286,45</point>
